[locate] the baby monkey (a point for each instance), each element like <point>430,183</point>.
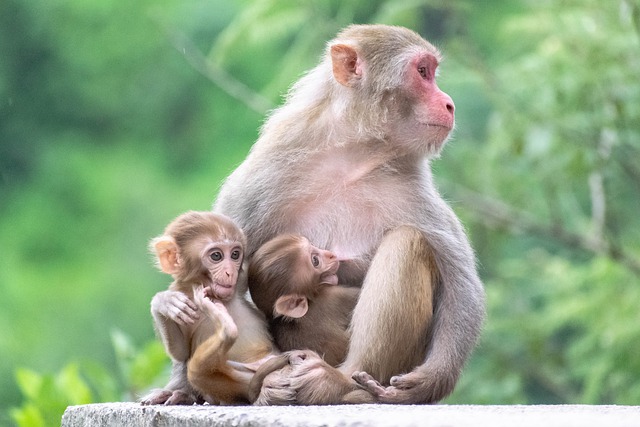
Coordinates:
<point>295,284</point>
<point>203,319</point>
<point>217,341</point>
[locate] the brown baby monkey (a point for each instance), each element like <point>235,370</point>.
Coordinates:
<point>203,320</point>
<point>295,284</point>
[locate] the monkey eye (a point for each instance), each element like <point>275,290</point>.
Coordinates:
<point>315,260</point>
<point>235,255</point>
<point>423,72</point>
<point>216,256</point>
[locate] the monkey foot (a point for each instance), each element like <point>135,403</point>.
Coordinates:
<point>156,397</point>
<point>412,388</point>
<point>372,385</point>
<point>171,397</point>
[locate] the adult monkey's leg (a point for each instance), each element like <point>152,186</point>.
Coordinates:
<point>391,323</point>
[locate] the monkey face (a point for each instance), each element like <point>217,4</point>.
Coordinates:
<point>324,264</point>
<point>222,262</point>
<point>421,116</point>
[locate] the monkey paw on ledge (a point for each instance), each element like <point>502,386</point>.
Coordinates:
<point>133,414</point>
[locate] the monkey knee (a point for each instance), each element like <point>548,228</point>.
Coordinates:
<point>404,235</point>
<point>405,247</point>
<point>406,231</point>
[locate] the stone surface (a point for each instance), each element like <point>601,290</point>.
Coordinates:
<point>133,415</point>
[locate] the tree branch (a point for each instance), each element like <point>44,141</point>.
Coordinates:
<point>495,213</point>
<point>216,74</point>
<point>596,185</point>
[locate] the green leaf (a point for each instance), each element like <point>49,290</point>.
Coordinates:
<point>29,382</point>
<point>148,365</point>
<point>73,386</point>
<point>27,416</point>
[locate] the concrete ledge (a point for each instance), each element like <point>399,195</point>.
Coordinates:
<point>132,414</point>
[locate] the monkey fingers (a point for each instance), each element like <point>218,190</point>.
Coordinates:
<point>208,292</point>
<point>217,312</point>
<point>182,317</point>
<point>180,309</point>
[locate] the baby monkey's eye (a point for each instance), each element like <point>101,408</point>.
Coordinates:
<point>235,255</point>
<point>216,256</point>
<point>315,260</point>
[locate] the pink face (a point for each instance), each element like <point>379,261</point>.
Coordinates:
<point>222,260</point>
<point>434,107</point>
<point>426,126</point>
<point>326,265</point>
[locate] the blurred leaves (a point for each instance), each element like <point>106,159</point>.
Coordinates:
<point>47,395</point>
<point>137,367</point>
<point>116,116</point>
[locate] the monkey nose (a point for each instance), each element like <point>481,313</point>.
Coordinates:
<point>451,107</point>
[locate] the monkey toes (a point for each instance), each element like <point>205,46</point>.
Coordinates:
<point>406,381</point>
<point>372,385</point>
<point>170,397</point>
<point>180,397</point>
<point>418,387</point>
<point>157,397</point>
<point>412,388</point>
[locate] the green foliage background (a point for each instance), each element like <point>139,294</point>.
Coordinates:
<point>117,116</point>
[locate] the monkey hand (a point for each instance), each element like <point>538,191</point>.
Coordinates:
<point>419,386</point>
<point>216,311</point>
<point>208,292</point>
<point>176,306</point>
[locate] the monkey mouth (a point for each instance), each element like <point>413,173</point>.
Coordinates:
<point>223,285</point>
<point>446,126</point>
<point>330,279</point>
<point>221,291</point>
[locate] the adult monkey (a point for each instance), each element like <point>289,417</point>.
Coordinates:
<point>345,162</point>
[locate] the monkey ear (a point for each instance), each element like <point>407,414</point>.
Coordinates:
<point>166,251</point>
<point>291,305</point>
<point>347,66</point>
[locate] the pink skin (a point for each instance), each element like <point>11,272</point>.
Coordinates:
<point>327,263</point>
<point>222,260</point>
<point>426,129</point>
<point>436,104</point>
<point>220,284</point>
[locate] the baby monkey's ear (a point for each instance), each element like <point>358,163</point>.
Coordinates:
<point>166,251</point>
<point>293,305</point>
